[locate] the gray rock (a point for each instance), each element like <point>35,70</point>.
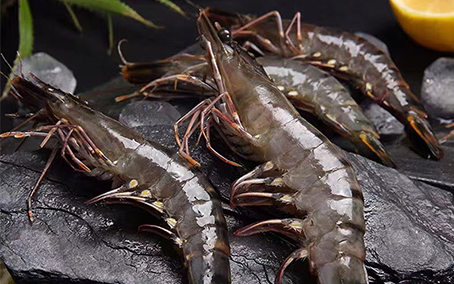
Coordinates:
<point>409,224</point>
<point>437,92</point>
<point>375,41</point>
<point>438,173</point>
<point>50,71</point>
<point>410,228</point>
<point>385,123</point>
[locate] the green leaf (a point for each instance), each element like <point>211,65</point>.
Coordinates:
<point>111,35</point>
<point>112,6</point>
<point>25,29</point>
<point>73,17</point>
<point>172,6</point>
<point>25,41</point>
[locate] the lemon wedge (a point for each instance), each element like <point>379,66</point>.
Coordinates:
<point>428,22</point>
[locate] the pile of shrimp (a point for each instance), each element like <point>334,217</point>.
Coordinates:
<point>253,103</point>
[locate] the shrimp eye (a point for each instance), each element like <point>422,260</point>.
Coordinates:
<point>224,35</point>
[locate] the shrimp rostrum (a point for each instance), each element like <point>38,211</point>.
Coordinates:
<point>347,56</point>
<point>147,173</point>
<point>301,173</point>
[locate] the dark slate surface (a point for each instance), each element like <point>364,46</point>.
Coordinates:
<point>410,224</point>
<point>86,56</point>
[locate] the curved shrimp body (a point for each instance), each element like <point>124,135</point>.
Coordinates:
<point>302,172</point>
<point>347,56</point>
<point>312,90</point>
<point>373,71</point>
<point>151,175</point>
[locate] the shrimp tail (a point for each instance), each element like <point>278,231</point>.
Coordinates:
<point>418,125</point>
<point>373,143</point>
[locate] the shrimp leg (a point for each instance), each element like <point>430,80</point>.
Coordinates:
<point>41,177</point>
<point>449,135</point>
<point>203,111</point>
<point>289,227</point>
<point>265,42</point>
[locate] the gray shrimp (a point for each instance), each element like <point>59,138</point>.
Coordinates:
<point>301,173</point>
<point>348,56</point>
<point>312,90</point>
<point>148,174</point>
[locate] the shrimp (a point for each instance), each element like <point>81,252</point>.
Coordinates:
<point>148,174</point>
<point>308,88</point>
<point>301,172</point>
<point>348,56</point>
<point>314,91</point>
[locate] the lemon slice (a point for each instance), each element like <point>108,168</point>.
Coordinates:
<point>429,22</point>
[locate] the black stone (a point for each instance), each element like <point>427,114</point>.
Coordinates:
<point>409,239</point>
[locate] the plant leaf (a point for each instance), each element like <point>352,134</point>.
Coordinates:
<point>25,29</point>
<point>25,41</point>
<point>112,6</point>
<point>73,17</point>
<point>111,33</point>
<point>172,6</point>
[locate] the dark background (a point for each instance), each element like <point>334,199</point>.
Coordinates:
<point>86,53</point>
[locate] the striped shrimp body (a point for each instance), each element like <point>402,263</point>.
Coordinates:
<point>148,174</point>
<point>312,90</point>
<point>347,56</point>
<point>301,171</point>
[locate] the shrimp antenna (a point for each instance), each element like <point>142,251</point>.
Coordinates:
<point>15,92</point>
<point>6,61</point>
<point>194,5</point>
<point>120,53</point>
<point>192,14</point>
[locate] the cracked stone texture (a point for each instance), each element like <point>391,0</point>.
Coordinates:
<point>410,234</point>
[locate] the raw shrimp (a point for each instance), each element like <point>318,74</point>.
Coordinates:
<point>302,172</point>
<point>147,174</point>
<point>314,91</point>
